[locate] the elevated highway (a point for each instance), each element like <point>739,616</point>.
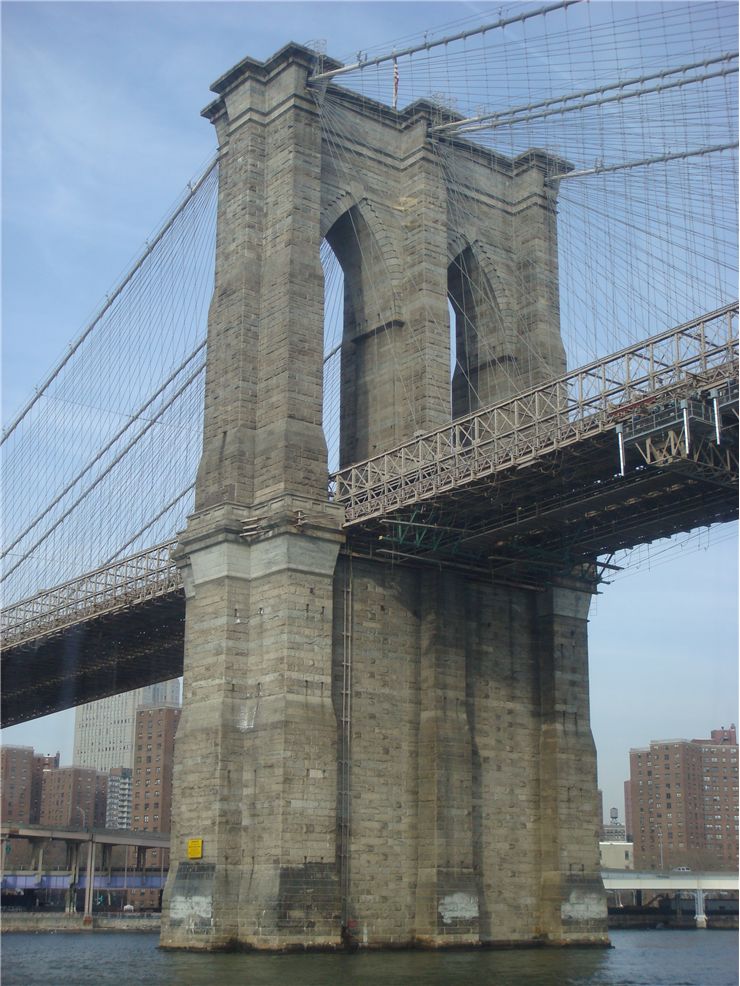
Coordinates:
<point>670,882</point>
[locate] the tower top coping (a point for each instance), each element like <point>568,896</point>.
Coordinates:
<point>550,164</point>
<point>252,67</point>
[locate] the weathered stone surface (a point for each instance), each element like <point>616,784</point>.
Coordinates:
<point>371,754</point>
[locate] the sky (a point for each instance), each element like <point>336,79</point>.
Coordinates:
<point>101,132</point>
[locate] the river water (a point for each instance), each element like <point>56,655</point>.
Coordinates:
<point>638,958</point>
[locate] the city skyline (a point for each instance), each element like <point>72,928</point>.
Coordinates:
<point>94,163</point>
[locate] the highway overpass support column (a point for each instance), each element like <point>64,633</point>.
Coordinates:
<point>38,846</point>
<point>701,917</point>
<point>73,864</point>
<point>89,881</point>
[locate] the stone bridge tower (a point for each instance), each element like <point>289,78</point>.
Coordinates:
<point>395,754</point>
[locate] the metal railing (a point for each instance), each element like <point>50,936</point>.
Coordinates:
<point>694,356</point>
<point>145,575</point>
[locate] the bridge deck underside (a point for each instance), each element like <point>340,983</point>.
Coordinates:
<point>561,510</point>
<point>112,653</point>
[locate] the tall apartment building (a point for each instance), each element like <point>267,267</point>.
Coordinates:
<point>104,730</point>
<point>42,764</point>
<point>21,775</point>
<point>683,802</point>
<point>16,763</point>
<point>73,797</point>
<point>154,755</point>
<point>21,778</point>
<point>628,809</point>
<point>118,806</point>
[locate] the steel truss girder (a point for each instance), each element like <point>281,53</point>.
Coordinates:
<point>565,508</point>
<point>717,463</point>
<point>146,575</point>
<point>104,655</point>
<point>697,357</point>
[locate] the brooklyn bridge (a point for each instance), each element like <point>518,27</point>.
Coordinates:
<point>363,511</point>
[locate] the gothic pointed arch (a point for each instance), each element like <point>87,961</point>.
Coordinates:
<point>384,251</point>
<point>483,334</point>
<point>370,358</point>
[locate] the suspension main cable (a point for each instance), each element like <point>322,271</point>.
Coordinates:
<point>137,415</point>
<point>98,479</point>
<point>524,115</point>
<point>582,94</point>
<point>427,45</point>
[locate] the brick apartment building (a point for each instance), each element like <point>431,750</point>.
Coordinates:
<point>682,798</point>
<point>73,797</point>
<point>21,778</point>
<point>16,765</point>
<point>154,752</point>
<point>104,730</point>
<point>42,765</point>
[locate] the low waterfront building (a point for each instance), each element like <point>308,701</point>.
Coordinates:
<point>616,855</point>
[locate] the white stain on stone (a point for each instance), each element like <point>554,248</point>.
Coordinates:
<point>198,907</point>
<point>456,906</point>
<point>247,717</point>
<point>580,907</point>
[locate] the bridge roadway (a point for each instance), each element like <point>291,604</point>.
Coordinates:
<point>637,446</point>
<point>102,837</point>
<point>668,883</point>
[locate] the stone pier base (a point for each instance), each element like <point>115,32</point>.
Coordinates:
<point>469,784</point>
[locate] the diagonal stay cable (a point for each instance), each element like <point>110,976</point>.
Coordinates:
<point>110,300</point>
<point>101,452</point>
<point>150,523</point>
<point>489,118</point>
<point>494,121</point>
<point>150,424</point>
<point>602,169</point>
